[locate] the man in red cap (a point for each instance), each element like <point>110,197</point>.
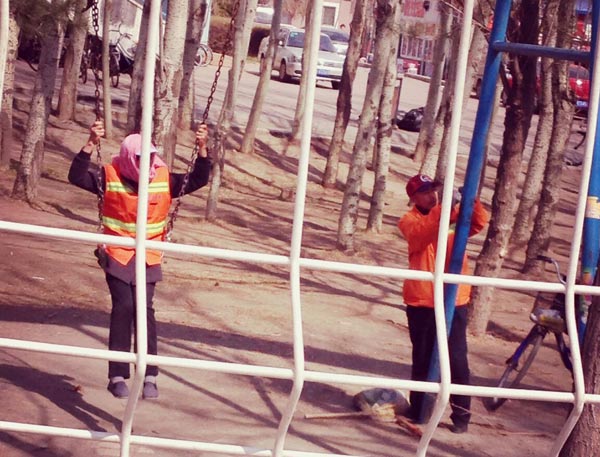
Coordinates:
<point>420,227</point>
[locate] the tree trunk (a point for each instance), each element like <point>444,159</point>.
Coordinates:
<point>67,100</point>
<point>194,30</point>
<point>537,163</point>
<point>383,147</point>
<point>299,114</point>
<point>386,13</point>
<point>584,437</point>
<point>263,83</point>
<point>436,153</point>
<point>344,100</point>
<point>224,124</point>
<point>32,154</point>
<point>134,104</point>
<point>6,115</point>
<point>516,128</point>
<point>426,134</point>
<point>168,81</point>
<point>564,110</point>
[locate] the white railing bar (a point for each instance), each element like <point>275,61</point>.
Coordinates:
<point>308,263</point>
<point>570,311</point>
<point>61,349</point>
<point>67,234</point>
<point>154,442</point>
<point>310,67</point>
<point>141,333</point>
<point>286,373</point>
<point>442,242</point>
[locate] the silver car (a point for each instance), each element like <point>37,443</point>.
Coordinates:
<point>288,57</point>
<point>339,38</point>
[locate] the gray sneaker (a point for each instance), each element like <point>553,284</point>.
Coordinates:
<point>119,389</point>
<point>150,391</point>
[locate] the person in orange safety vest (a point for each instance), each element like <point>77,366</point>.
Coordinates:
<point>420,227</point>
<point>117,182</point>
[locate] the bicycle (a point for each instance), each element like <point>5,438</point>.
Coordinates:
<point>92,58</point>
<point>204,56</point>
<point>548,316</point>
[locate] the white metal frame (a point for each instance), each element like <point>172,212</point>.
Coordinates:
<point>296,263</point>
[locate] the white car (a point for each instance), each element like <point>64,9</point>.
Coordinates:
<point>338,37</point>
<point>288,57</point>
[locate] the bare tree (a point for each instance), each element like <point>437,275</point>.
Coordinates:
<point>294,10</point>
<point>134,103</point>
<point>584,439</point>
<point>266,65</point>
<point>383,143</point>
<point>67,100</point>
<point>516,127</point>
<point>309,36</point>
<point>168,79</point>
<point>532,185</point>
<point>6,115</point>
<point>385,16</point>
<point>32,154</point>
<point>194,29</point>
<point>437,149</point>
<point>225,117</point>
<point>426,134</point>
<point>564,109</point>
<point>106,91</point>
<point>344,100</point>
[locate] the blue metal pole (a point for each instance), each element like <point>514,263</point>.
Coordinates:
<point>474,167</point>
<point>591,227</point>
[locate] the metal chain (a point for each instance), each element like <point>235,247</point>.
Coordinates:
<point>97,110</point>
<point>186,176</point>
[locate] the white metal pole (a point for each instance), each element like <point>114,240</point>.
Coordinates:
<point>296,244</point>
<point>440,261</point>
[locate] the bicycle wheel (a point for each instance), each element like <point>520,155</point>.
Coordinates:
<point>114,68</point>
<point>516,368</point>
<point>209,55</point>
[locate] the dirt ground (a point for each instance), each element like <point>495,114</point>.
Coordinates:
<point>227,311</point>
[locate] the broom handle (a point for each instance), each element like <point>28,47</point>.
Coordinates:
<point>336,415</point>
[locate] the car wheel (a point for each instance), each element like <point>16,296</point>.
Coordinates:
<point>283,77</point>
<point>335,85</point>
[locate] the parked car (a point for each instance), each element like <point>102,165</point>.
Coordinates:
<point>339,38</point>
<point>579,82</point>
<point>288,57</point>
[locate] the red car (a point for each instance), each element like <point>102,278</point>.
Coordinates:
<point>579,82</point>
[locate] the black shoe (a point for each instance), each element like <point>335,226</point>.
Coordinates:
<point>119,389</point>
<point>150,391</point>
<point>459,428</point>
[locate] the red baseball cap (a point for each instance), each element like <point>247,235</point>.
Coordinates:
<point>420,183</point>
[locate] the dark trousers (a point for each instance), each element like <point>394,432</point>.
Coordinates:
<point>122,324</point>
<point>421,326</point>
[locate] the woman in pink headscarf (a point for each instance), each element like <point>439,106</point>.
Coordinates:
<point>117,183</point>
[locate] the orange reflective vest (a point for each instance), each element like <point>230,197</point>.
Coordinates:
<point>119,212</point>
<point>421,231</point>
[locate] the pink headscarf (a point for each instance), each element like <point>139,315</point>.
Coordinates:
<point>131,147</point>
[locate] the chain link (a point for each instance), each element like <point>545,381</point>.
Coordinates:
<point>98,112</point>
<point>186,177</point>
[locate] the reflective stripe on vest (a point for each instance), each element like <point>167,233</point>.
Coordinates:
<point>119,212</point>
